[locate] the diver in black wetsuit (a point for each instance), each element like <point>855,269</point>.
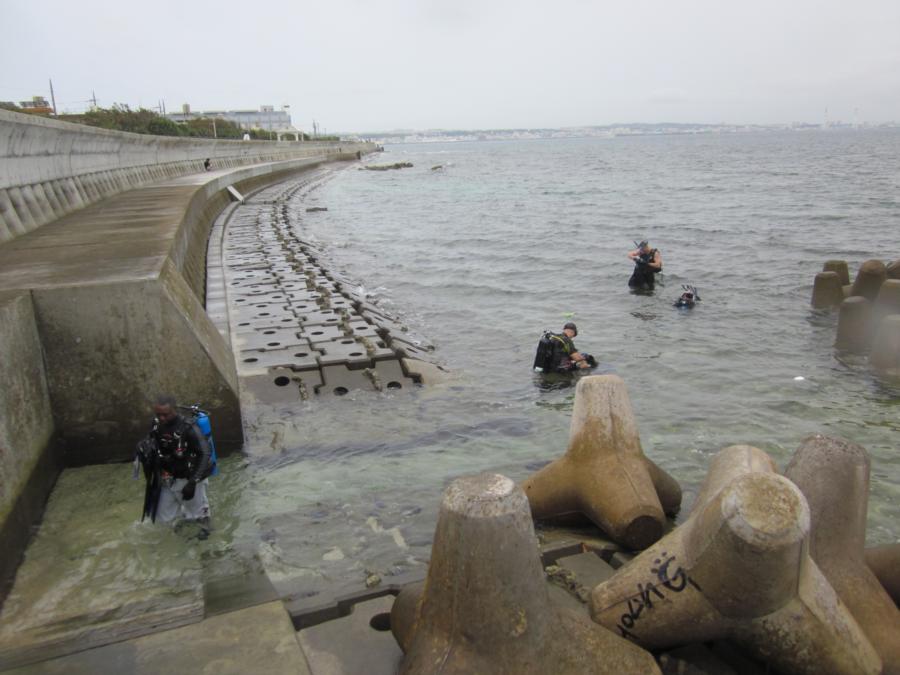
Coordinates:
<point>177,461</point>
<point>556,353</point>
<point>647,264</point>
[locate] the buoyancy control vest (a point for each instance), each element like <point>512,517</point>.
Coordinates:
<point>176,456</point>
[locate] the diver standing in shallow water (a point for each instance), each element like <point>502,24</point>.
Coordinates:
<point>647,264</point>
<point>177,462</point>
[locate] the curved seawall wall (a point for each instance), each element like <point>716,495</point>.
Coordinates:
<point>52,168</point>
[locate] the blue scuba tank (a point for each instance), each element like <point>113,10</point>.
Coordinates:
<point>204,425</point>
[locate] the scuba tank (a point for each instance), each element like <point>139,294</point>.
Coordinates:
<point>201,419</point>
<point>543,356</point>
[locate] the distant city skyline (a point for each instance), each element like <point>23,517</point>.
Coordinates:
<point>356,66</point>
<point>609,131</point>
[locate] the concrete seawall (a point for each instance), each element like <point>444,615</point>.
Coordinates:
<point>103,242</point>
<point>52,168</point>
<point>28,467</point>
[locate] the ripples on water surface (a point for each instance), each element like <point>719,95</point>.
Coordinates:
<point>481,255</point>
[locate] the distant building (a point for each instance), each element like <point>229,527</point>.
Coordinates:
<point>38,105</point>
<point>266,118</point>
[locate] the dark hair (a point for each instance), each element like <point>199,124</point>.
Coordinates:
<point>572,327</point>
<point>165,400</point>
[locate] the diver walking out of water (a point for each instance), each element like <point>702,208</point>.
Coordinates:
<point>647,264</point>
<point>177,461</point>
<point>556,352</point>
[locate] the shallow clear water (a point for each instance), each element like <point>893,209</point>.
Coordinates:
<point>507,239</point>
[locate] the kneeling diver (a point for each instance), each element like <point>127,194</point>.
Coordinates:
<point>556,353</point>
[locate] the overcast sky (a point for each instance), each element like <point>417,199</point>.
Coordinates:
<point>377,65</point>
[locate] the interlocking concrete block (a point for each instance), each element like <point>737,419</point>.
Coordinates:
<point>345,350</point>
<point>321,317</point>
<point>485,607</point>
<point>604,473</point>
<point>389,376</point>
<point>739,569</point>
<point>293,285</point>
<point>424,372</point>
<point>833,475</point>
<point>268,339</point>
<point>303,307</point>
<point>300,357</point>
<point>248,293</point>
<point>268,313</point>
<point>408,350</point>
<point>340,380</point>
<point>362,329</point>
<point>322,333</point>
<point>305,295</point>
<point>336,302</point>
<point>287,321</point>
<point>274,303</point>
<point>377,350</point>
<point>360,642</point>
<point>325,285</point>
<point>281,385</point>
<point>246,286</point>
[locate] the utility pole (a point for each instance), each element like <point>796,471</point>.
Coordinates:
<point>94,99</point>
<point>53,98</point>
<point>215,135</point>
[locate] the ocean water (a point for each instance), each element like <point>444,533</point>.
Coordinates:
<point>479,247</point>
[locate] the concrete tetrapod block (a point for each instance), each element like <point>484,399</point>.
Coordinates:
<point>885,356</point>
<point>840,267</point>
<point>884,561</point>
<point>893,270</point>
<point>854,331</point>
<point>827,290</point>
<point>739,569</point>
<point>485,605</point>
<point>869,278</point>
<point>888,300</point>
<point>833,475</point>
<point>604,473</point>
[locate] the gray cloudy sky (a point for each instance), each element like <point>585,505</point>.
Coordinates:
<point>375,65</point>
